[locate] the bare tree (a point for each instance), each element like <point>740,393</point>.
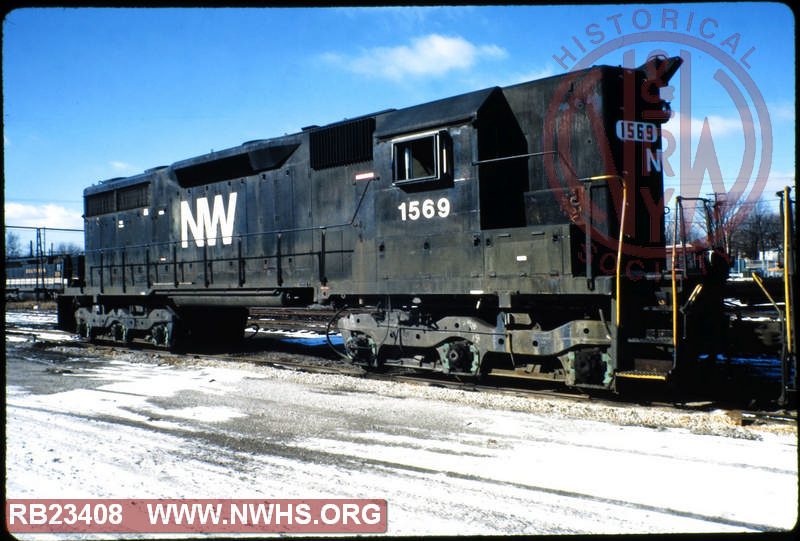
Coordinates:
<point>759,231</point>
<point>689,232</point>
<point>13,247</point>
<point>67,248</point>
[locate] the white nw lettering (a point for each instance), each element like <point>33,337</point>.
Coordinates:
<point>204,228</point>
<point>653,161</point>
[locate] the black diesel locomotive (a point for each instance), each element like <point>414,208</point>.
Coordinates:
<point>515,231</point>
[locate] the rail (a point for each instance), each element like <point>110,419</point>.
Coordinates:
<point>315,359</point>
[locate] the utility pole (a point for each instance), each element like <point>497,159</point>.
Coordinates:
<point>40,263</point>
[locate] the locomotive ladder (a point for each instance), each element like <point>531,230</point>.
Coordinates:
<point>654,354</point>
<point>788,354</point>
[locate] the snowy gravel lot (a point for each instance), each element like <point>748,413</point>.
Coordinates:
<point>448,462</point>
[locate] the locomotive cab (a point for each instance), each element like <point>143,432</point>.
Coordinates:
<point>524,254</point>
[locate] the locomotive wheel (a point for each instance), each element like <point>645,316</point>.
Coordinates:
<point>361,349</point>
<point>589,367</point>
<point>160,335</point>
<point>459,356</point>
<point>120,332</point>
<point>84,330</point>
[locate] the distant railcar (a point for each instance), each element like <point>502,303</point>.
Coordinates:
<point>514,230</point>
<point>43,277</point>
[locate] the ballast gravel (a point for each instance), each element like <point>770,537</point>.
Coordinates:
<point>716,422</point>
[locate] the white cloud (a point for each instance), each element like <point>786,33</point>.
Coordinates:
<point>532,75</point>
<point>46,215</point>
<point>431,55</point>
<point>120,166</point>
<point>719,125</point>
<point>782,111</point>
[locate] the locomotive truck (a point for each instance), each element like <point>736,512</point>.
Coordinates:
<point>513,230</point>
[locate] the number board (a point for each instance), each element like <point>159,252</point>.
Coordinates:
<point>628,130</point>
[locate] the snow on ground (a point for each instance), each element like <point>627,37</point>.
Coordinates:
<point>40,323</point>
<point>448,462</point>
<point>38,317</point>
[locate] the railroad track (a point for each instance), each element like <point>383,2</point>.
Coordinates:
<point>743,417</point>
<point>297,357</point>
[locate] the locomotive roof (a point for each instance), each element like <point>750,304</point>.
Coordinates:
<point>246,159</point>
<point>121,182</point>
<point>436,113</point>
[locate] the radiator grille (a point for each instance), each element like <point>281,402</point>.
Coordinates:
<point>99,203</point>
<point>342,144</point>
<point>133,197</point>
<point>130,197</point>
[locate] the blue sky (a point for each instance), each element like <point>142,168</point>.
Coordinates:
<point>91,94</point>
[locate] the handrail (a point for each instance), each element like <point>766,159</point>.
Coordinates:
<point>257,233</point>
<point>619,248</point>
<point>787,261</point>
<point>764,289</point>
<point>515,157</point>
<point>618,270</point>
<point>674,276</point>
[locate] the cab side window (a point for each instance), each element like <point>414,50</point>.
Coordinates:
<point>422,163</point>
